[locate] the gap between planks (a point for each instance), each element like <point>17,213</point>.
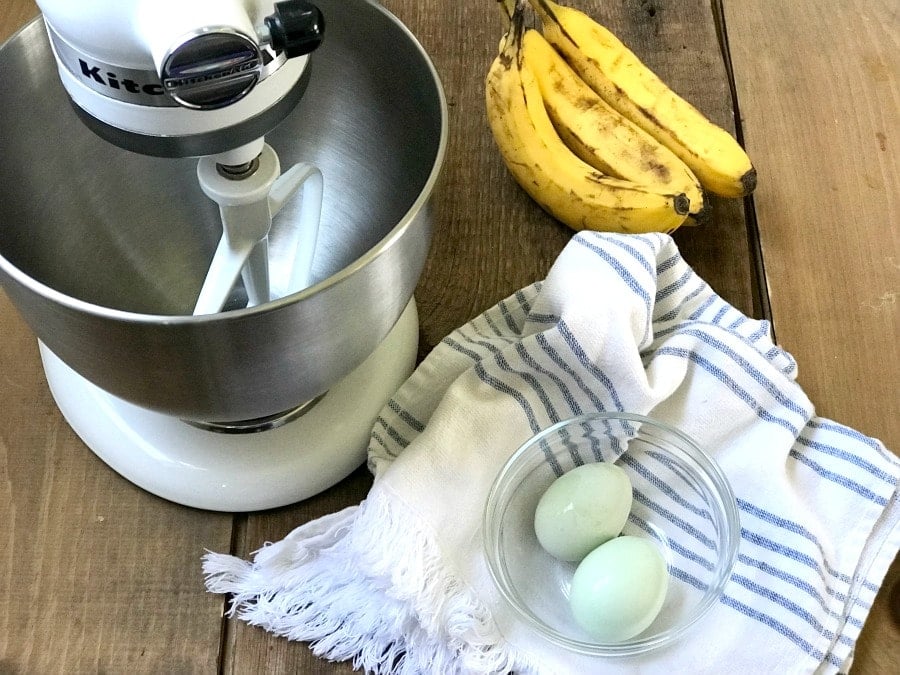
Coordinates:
<point>762,307</point>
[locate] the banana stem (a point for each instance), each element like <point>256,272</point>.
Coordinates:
<point>512,39</point>
<point>506,7</point>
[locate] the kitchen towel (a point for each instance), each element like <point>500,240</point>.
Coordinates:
<point>399,584</point>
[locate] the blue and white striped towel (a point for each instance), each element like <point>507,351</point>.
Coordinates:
<point>399,584</point>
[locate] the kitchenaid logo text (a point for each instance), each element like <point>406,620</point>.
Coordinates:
<point>239,69</point>
<point>112,81</point>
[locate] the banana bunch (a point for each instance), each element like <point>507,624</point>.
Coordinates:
<point>594,137</point>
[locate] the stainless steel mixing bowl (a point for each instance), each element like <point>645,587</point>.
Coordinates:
<point>103,251</point>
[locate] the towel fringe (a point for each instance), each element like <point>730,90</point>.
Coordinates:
<point>395,609</point>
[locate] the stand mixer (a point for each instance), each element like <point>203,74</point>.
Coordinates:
<point>205,77</point>
<point>245,372</point>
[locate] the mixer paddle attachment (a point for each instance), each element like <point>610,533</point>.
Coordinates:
<point>249,194</point>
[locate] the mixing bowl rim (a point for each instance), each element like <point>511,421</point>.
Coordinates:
<point>726,514</point>
<point>385,243</point>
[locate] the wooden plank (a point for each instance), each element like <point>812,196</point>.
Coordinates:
<point>95,574</point>
<point>822,121</point>
<point>490,239</point>
<point>822,118</point>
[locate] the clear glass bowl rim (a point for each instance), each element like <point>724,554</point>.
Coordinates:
<point>729,535</point>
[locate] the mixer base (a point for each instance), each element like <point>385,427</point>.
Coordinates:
<point>246,472</point>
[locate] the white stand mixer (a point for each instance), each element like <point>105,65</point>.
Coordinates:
<point>208,79</point>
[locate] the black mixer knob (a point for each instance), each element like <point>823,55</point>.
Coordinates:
<point>296,27</point>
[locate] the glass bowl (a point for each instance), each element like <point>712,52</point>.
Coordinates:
<point>682,500</point>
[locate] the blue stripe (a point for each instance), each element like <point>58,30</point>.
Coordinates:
<point>633,284</point>
<point>730,383</point>
<point>675,547</point>
<point>849,457</point>
<point>721,313</point>
<point>839,479</point>
<point>693,316</point>
<point>639,257</point>
<point>774,353</point>
<point>821,568</point>
<point>738,322</point>
<point>595,444</point>
<point>792,579</point>
<point>834,427</point>
<point>380,441</point>
<point>510,321</point>
<point>660,485</point>
<point>680,523</point>
<point>689,579</point>
<point>565,438</point>
<point>544,344</point>
<point>774,624</point>
<point>856,623</point>
<point>529,379</point>
<point>488,319</point>
<point>779,521</point>
<point>489,340</point>
<point>611,441</point>
<point>532,363</point>
<point>668,263</point>
<point>783,602</point>
<point>798,529</point>
<point>392,433</point>
<point>677,470</point>
<point>588,365</point>
<point>543,318</point>
<point>504,388</point>
<point>458,347</point>
<point>759,333</point>
<point>675,328</point>
<point>488,348</point>
<point>757,375</point>
<point>679,283</point>
<point>406,416</point>
<point>691,555</point>
<point>524,300</point>
<point>668,316</point>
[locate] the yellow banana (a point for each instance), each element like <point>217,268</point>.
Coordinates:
<point>599,134</point>
<point>623,81</point>
<point>565,186</point>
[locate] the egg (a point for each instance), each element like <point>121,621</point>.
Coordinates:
<point>582,509</point>
<point>619,588</point>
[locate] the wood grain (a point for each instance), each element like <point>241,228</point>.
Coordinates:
<point>822,121</point>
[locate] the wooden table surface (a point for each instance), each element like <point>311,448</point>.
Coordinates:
<point>97,576</point>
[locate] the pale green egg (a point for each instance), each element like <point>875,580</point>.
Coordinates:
<point>582,509</point>
<point>619,588</point>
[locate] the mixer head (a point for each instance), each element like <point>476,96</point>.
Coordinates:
<point>182,78</point>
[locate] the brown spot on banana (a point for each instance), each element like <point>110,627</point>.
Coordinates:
<point>659,169</point>
<point>645,112</point>
<point>584,103</point>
